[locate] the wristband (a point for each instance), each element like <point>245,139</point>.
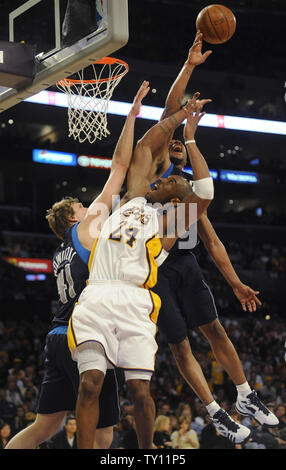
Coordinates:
<point>190,142</point>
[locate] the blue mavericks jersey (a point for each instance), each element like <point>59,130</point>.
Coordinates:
<point>70,265</point>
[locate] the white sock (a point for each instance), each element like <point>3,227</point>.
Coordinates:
<point>212,408</point>
<point>243,390</point>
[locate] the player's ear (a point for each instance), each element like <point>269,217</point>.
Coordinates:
<point>72,218</point>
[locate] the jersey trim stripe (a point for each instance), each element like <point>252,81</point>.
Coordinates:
<point>72,343</point>
<point>92,252</point>
<point>159,253</point>
<point>156,305</point>
<point>153,248</point>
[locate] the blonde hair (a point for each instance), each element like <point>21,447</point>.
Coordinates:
<point>58,216</point>
<point>160,422</point>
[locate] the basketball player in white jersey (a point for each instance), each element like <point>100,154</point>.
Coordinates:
<point>71,222</point>
<point>114,322</point>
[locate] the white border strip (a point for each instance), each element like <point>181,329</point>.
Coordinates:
<point>120,108</point>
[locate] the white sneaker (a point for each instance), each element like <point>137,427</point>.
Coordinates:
<point>227,427</point>
<point>252,406</point>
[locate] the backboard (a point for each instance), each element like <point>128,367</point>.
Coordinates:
<point>40,23</point>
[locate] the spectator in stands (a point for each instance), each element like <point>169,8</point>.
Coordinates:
<point>164,409</point>
<point>265,437</point>
<point>184,437</point>
<point>7,408</point>
<point>66,438</point>
<point>162,427</point>
<point>12,391</point>
<point>17,370</point>
<point>281,415</point>
<point>4,371</point>
<point>268,391</point>
<point>5,435</point>
<point>173,423</point>
<point>19,421</point>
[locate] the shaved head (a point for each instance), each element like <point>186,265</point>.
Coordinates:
<point>167,189</point>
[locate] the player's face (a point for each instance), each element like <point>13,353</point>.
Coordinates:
<point>167,189</point>
<point>79,211</point>
<point>177,152</point>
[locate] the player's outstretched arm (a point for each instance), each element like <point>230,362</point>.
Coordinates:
<point>102,205</point>
<point>176,93</point>
<point>139,177</point>
<point>217,251</point>
<point>203,191</point>
<point>124,148</point>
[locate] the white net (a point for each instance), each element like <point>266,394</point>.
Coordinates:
<point>88,99</point>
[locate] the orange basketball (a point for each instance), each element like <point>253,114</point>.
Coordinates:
<point>217,23</point>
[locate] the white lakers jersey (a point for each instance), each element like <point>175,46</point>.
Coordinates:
<point>128,247</point>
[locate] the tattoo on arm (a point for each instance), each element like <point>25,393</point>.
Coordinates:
<point>168,127</point>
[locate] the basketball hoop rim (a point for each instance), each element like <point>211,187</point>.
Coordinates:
<point>104,60</point>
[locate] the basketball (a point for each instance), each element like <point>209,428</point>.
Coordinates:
<point>217,23</point>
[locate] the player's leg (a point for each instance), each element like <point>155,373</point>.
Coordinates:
<point>57,395</point>
<point>144,407</point>
<point>92,365</point>
<point>109,406</point>
<point>223,350</point>
<point>191,371</point>
<point>43,428</point>
<point>103,438</point>
<point>137,349</point>
<point>173,326</point>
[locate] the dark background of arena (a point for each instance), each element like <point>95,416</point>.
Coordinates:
<point>244,77</point>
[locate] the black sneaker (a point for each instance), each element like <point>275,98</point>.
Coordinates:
<point>252,406</point>
<point>227,427</point>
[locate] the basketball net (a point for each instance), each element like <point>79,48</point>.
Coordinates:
<point>88,100</point>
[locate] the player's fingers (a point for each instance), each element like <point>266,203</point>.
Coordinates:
<point>201,116</point>
<point>203,102</point>
<point>197,44</point>
<point>256,300</point>
<point>207,54</point>
<point>199,35</point>
<point>249,306</point>
<point>195,97</point>
<point>143,87</point>
<point>243,306</point>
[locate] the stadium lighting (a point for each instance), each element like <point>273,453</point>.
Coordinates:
<point>120,108</point>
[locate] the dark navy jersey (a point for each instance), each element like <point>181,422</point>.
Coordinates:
<point>70,265</point>
<point>182,244</point>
